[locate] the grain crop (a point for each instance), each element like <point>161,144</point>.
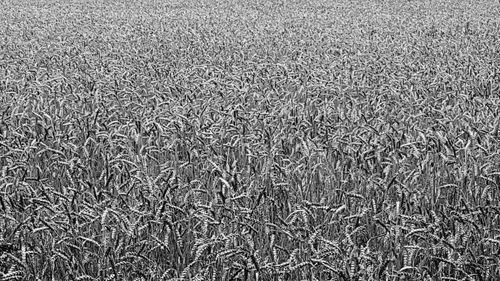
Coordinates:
<point>249,140</point>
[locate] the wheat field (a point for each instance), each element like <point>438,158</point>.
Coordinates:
<point>249,140</point>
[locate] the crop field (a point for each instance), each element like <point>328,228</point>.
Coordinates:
<point>250,140</point>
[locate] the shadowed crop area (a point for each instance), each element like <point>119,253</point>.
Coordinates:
<point>249,140</point>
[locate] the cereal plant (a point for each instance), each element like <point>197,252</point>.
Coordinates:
<point>249,140</point>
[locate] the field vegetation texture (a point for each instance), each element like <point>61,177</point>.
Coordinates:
<point>249,140</point>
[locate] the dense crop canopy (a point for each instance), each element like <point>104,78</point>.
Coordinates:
<point>249,140</point>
